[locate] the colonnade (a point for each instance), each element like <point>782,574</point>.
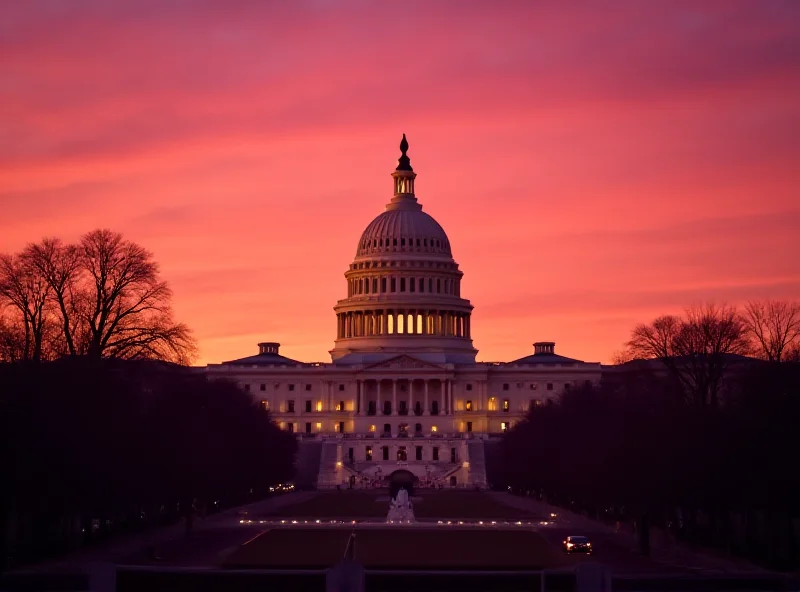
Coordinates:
<point>372,323</point>
<point>441,404</point>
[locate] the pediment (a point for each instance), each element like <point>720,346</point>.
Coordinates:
<point>402,362</point>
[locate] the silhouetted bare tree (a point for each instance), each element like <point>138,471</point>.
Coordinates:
<point>130,314</point>
<point>26,290</point>
<point>774,326</point>
<point>696,350</point>
<point>12,337</point>
<point>60,265</point>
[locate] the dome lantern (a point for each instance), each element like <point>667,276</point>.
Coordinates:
<point>404,177</point>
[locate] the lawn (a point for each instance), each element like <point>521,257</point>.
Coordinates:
<point>433,505</point>
<point>399,547</point>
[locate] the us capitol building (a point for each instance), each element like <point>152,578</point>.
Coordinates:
<point>403,394</point>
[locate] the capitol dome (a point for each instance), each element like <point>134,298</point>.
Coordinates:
<point>403,287</point>
<point>403,230</point>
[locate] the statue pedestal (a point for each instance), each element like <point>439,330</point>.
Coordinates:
<point>400,509</point>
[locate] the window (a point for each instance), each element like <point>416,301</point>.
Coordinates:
<point>368,454</point>
<point>469,386</point>
<point>265,404</point>
<point>341,427</point>
<point>492,404</point>
<point>372,428</point>
<point>341,387</point>
<point>308,387</point>
<point>374,285</point>
<point>506,405</point>
<point>402,284</point>
<point>350,454</point>
<point>534,386</point>
<point>291,387</point>
<point>435,453</point>
<point>262,387</point>
<point>402,455</point>
<point>468,406</point>
<point>308,427</point>
<point>385,453</point>
<point>419,452</point>
<point>394,285</point>
<point>505,386</point>
<point>387,428</point>
<point>290,427</point>
<point>247,388</point>
<point>340,406</point>
<point>520,385</point>
<point>308,406</point>
<point>412,285</point>
<point>453,457</point>
<point>336,427</point>
<point>549,386</point>
<point>504,426</point>
<point>383,285</point>
<point>469,426</point>
<point>290,406</point>
<point>567,386</point>
<point>319,405</point>
<point>434,429</point>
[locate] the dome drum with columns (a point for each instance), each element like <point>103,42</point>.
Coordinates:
<point>403,391</point>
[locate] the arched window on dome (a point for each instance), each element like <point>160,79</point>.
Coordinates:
<point>383,285</point>
<point>366,285</point>
<point>421,284</point>
<point>402,284</point>
<point>390,324</point>
<point>419,324</point>
<point>430,284</point>
<point>374,285</point>
<point>412,285</point>
<point>400,323</point>
<point>438,286</point>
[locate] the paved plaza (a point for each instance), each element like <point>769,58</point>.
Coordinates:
<point>296,531</point>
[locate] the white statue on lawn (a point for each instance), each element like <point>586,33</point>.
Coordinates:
<point>400,508</point>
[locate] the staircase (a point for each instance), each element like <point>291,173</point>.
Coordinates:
<point>307,464</point>
<point>477,464</point>
<point>329,476</point>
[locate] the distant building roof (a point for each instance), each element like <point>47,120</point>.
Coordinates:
<point>544,352</point>
<point>267,356</point>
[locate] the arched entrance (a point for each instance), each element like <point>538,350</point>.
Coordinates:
<point>402,479</point>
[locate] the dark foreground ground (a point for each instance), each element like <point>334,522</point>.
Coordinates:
<point>237,549</point>
<point>399,548</point>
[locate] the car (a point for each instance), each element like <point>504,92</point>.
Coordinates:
<point>578,544</point>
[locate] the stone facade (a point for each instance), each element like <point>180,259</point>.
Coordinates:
<point>403,390</point>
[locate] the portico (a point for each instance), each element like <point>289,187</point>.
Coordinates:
<point>404,396</point>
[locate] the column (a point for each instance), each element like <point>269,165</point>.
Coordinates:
<point>394,396</point>
<point>378,401</point>
<point>360,385</point>
<point>425,406</point>
<point>410,395</point>
<point>469,331</point>
<point>443,384</point>
<point>449,397</point>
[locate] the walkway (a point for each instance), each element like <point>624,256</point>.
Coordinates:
<point>663,550</point>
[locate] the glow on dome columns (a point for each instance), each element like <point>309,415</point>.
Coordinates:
<point>404,288</point>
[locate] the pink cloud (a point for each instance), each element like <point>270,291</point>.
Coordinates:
<point>591,166</point>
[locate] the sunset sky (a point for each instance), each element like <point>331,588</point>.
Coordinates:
<point>594,164</point>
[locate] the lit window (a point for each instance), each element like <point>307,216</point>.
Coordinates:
<point>468,406</point>
<point>433,429</point>
<point>372,428</point>
<point>319,425</point>
<point>492,404</point>
<point>504,426</point>
<point>319,405</point>
<point>506,405</point>
<point>265,404</point>
<point>336,427</point>
<point>340,406</point>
